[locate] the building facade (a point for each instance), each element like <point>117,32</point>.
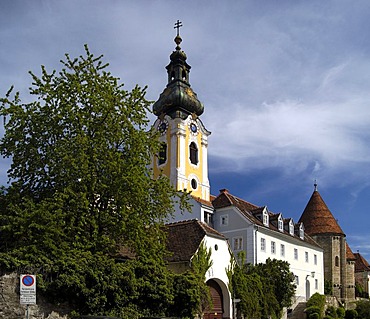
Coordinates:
<point>247,227</point>
<point>184,239</point>
<point>262,234</point>
<point>362,275</point>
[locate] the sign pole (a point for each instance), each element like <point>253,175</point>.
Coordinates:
<point>28,292</point>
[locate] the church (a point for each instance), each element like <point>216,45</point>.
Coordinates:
<point>316,254</point>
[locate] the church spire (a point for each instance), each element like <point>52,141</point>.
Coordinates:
<point>178,99</point>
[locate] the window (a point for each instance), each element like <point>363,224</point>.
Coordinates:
<point>265,219</point>
<point>336,261</point>
<point>306,256</point>
<point>263,244</point>
<point>295,253</point>
<point>224,220</point>
<point>296,280</point>
<point>291,228</point>
<point>193,150</point>
<point>238,243</point>
<point>193,183</point>
<point>162,156</point>
<point>315,259</point>
<point>273,248</point>
<point>282,250</point>
<point>280,225</point>
<point>208,218</point>
<point>316,284</point>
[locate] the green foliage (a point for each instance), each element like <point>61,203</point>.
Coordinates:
<point>331,312</point>
<point>187,295</point>
<point>351,314</point>
<point>200,264</point>
<point>363,309</point>
<point>263,289</point>
<point>360,292</point>
<point>328,288</point>
<point>314,315</point>
<point>316,300</point>
<point>316,303</point>
<point>313,310</point>
<point>341,312</point>
<point>81,188</point>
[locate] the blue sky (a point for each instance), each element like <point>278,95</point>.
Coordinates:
<point>285,86</point>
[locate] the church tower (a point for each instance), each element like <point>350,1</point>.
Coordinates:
<point>183,137</point>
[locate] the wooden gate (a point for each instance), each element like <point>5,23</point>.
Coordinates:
<point>217,301</point>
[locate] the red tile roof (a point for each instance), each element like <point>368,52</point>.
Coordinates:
<point>185,237</point>
<point>318,219</point>
<point>202,201</point>
<point>361,263</point>
<point>251,212</point>
<point>225,199</point>
<point>349,253</point>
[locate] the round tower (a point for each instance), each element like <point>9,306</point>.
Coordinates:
<point>321,225</point>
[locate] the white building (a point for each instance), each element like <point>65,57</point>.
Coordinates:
<point>184,159</point>
<point>262,235</point>
<point>184,240</point>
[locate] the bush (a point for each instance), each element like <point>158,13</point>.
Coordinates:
<point>351,314</point>
<point>363,309</point>
<point>316,304</point>
<point>314,315</point>
<point>341,312</point>
<point>313,310</point>
<point>331,312</point>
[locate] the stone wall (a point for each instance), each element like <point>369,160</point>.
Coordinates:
<point>10,307</point>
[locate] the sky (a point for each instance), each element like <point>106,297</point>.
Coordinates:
<point>285,86</point>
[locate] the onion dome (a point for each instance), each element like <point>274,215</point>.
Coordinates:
<point>317,218</point>
<point>178,99</point>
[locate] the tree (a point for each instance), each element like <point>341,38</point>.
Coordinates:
<point>316,304</point>
<point>363,309</point>
<point>81,187</point>
<point>280,281</point>
<point>247,287</point>
<point>263,289</point>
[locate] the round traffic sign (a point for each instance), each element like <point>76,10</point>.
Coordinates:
<point>28,280</point>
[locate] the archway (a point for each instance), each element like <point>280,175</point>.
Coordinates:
<point>217,310</point>
<point>308,292</point>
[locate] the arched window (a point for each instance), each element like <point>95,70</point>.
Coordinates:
<point>337,261</point>
<point>193,150</point>
<point>162,156</point>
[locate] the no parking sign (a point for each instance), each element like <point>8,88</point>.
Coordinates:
<point>28,289</point>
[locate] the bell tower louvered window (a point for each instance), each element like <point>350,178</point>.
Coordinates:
<point>162,156</point>
<point>193,149</point>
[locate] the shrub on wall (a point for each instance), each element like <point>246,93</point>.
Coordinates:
<point>351,314</point>
<point>316,304</point>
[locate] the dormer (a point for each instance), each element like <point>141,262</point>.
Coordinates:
<point>289,226</point>
<point>277,221</point>
<point>262,214</point>
<point>280,223</point>
<point>265,217</point>
<point>299,230</point>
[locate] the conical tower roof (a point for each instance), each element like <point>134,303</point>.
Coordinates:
<point>318,219</point>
